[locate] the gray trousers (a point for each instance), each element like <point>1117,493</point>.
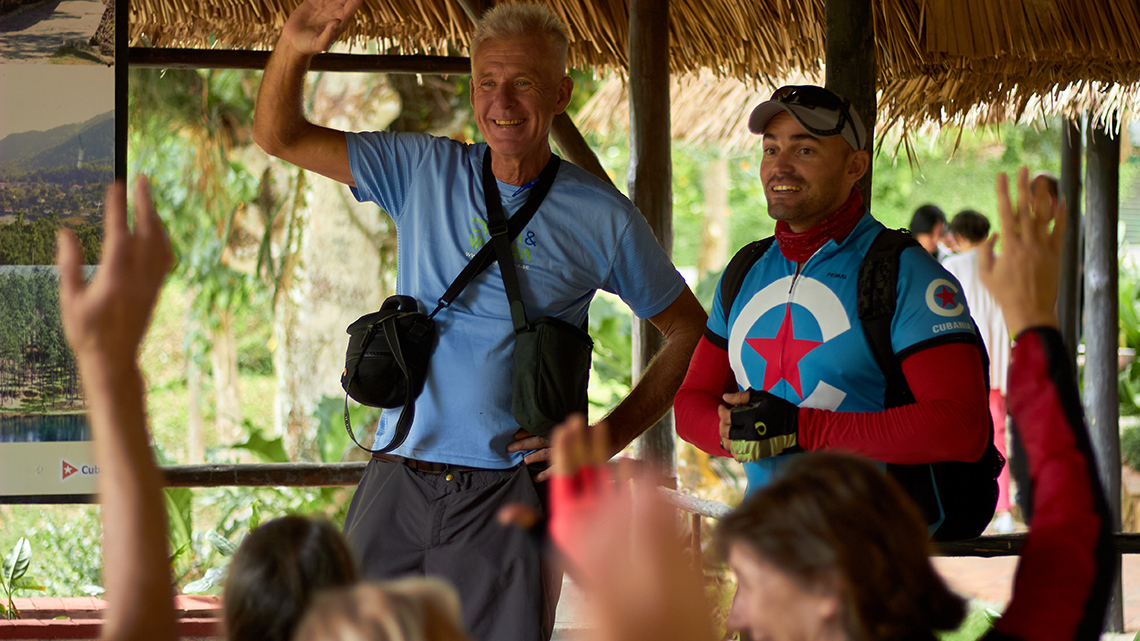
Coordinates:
<point>405,522</point>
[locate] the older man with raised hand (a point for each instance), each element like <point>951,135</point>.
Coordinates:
<point>803,366</point>
<point>429,508</point>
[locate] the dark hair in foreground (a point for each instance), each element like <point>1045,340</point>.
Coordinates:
<point>925,218</point>
<point>971,225</point>
<point>836,514</point>
<point>275,572</point>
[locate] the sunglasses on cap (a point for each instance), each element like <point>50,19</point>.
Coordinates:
<point>820,111</point>
<point>818,98</point>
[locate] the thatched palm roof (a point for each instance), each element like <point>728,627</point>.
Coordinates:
<point>938,59</point>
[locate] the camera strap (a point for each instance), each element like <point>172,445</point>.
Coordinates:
<point>500,229</point>
<point>512,228</point>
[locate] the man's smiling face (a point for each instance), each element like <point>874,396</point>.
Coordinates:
<point>517,87</point>
<point>806,178</point>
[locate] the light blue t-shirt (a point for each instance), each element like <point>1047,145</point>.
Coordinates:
<point>585,236</point>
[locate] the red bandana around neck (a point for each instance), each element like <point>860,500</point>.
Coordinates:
<point>800,247</point>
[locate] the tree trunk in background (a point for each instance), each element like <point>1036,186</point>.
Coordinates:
<point>342,266</point>
<point>227,393</point>
<point>714,237</point>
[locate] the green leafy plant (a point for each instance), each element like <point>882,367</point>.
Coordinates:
<point>13,577</point>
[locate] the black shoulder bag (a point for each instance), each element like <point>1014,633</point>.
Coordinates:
<point>389,350</point>
<point>551,370</point>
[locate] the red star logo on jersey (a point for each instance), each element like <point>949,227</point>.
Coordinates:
<point>945,296</point>
<point>68,469</point>
<point>782,354</point>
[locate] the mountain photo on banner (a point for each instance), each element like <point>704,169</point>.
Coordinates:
<point>57,156</point>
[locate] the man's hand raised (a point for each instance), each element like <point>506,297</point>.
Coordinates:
<point>316,24</point>
<point>1023,279</point>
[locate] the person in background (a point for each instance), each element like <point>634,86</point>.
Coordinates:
<point>928,226</point>
<point>834,550</point>
<point>792,344</point>
<point>970,229</point>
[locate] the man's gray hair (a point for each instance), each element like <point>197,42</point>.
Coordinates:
<point>518,20</point>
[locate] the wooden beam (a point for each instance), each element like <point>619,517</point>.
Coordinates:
<point>264,475</point>
<point>150,57</point>
<point>1069,293</point>
<point>851,68</point>
<point>575,148</point>
<point>475,8</point>
<point>650,186</point>
<point>1102,327</point>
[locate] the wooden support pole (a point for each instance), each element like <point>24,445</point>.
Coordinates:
<point>1069,294</point>
<point>149,57</point>
<point>1102,403</point>
<point>851,69</point>
<point>650,186</point>
<point>575,148</point>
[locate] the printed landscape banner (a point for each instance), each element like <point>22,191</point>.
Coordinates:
<point>57,156</point>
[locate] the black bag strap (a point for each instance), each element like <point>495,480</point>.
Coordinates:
<point>733,277</point>
<point>499,228</point>
<point>482,259</point>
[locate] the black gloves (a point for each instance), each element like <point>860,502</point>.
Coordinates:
<point>764,427</point>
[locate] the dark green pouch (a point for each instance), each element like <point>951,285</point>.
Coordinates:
<point>551,373</point>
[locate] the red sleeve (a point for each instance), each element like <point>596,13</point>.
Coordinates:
<point>695,407</point>
<point>949,420</point>
<point>1063,579</point>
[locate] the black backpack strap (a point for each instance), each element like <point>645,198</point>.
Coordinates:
<point>877,298</point>
<point>499,228</point>
<point>733,277</point>
<point>964,493</point>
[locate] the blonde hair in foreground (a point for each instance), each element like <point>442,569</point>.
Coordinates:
<point>519,20</point>
<point>416,609</point>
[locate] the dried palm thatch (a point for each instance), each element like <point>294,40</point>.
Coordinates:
<point>940,61</point>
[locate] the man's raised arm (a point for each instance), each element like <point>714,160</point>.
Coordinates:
<point>279,123</point>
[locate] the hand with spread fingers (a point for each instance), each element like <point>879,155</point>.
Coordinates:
<point>760,425</point>
<point>1023,278</point>
<point>107,318</point>
<point>316,24</point>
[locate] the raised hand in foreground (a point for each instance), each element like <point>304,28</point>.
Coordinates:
<point>624,549</point>
<point>1023,278</point>
<point>105,322</point>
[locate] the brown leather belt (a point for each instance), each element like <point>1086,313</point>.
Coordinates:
<point>422,466</point>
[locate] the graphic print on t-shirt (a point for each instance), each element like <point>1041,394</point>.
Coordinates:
<point>777,329</point>
<point>944,298</point>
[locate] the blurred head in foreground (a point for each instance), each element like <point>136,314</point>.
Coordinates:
<point>834,549</point>
<point>275,572</point>
<point>415,609</point>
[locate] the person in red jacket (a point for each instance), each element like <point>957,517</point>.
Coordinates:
<point>833,549</point>
<point>792,338</point>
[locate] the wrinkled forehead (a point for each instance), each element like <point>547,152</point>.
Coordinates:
<point>532,53</point>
